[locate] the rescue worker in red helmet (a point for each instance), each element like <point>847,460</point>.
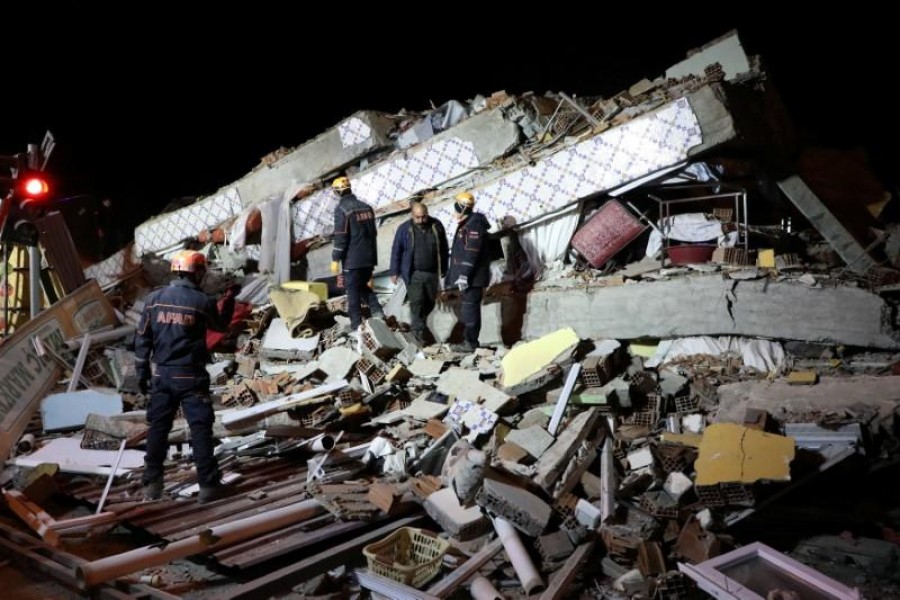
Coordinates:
<point>172,335</point>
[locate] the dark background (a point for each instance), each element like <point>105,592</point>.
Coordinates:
<point>149,103</point>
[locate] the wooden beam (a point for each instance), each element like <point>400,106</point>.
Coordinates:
<point>462,573</point>
<point>390,588</point>
<point>563,578</point>
<point>283,579</point>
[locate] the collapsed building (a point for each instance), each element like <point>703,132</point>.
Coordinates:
<point>691,314</point>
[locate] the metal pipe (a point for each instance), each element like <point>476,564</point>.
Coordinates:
<point>528,575</point>
<point>34,280</point>
<point>112,476</point>
<point>483,589</point>
<point>102,337</point>
<point>96,572</point>
<point>26,444</point>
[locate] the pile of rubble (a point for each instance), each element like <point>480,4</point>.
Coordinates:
<point>648,377</point>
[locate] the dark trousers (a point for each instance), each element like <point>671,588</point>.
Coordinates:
<point>421,292</point>
<point>189,388</point>
<point>471,313</point>
<point>356,283</point>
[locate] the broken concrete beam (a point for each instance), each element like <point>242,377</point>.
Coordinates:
<point>356,136</point>
<point>461,523</point>
<point>702,305</point>
<point>830,394</point>
<point>525,511</point>
<point>843,242</point>
<point>556,458</point>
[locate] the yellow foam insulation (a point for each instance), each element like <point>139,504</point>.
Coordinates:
<point>733,453</point>
<point>646,350</point>
<point>526,360</point>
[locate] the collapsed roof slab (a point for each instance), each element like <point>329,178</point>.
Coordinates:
<point>473,143</point>
<point>356,136</point>
<point>346,142</point>
<point>652,142</point>
<point>710,305</point>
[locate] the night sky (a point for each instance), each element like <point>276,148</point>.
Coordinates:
<point>148,103</point>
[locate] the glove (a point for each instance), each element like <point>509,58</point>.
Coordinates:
<point>462,283</point>
<point>335,267</point>
<point>144,385</point>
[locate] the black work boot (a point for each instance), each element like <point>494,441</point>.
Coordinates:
<point>211,493</point>
<point>153,490</point>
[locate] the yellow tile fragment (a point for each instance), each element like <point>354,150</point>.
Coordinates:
<point>526,360</point>
<point>733,453</point>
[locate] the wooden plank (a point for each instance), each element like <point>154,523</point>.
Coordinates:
<point>563,578</point>
<point>287,577</point>
<point>462,573</point>
<point>390,588</point>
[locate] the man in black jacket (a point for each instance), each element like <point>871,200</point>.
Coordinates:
<point>419,257</point>
<point>355,246</point>
<point>172,332</point>
<point>469,266</point>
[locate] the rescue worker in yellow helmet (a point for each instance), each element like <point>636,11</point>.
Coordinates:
<point>469,269</point>
<point>172,334</point>
<point>355,251</point>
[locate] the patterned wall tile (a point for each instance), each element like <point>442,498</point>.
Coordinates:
<point>601,163</point>
<point>353,131</point>
<point>417,170</point>
<point>313,215</point>
<point>112,268</point>
<point>169,229</point>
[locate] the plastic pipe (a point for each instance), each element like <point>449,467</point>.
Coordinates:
<point>215,538</point>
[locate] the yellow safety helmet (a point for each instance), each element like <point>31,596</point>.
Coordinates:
<point>465,199</point>
<point>341,184</point>
<point>188,261</point>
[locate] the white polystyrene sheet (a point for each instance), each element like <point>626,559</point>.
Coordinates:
<point>548,240</point>
<point>688,227</point>
<point>71,458</point>
<point>278,337</point>
<point>763,355</point>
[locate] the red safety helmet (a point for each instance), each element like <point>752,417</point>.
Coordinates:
<point>188,261</point>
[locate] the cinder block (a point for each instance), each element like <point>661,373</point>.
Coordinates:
<point>527,513</point>
<point>462,523</point>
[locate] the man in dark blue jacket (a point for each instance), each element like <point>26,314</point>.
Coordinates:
<point>172,333</point>
<point>355,246</point>
<point>469,266</point>
<point>419,257</point>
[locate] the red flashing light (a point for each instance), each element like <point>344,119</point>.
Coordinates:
<point>32,186</point>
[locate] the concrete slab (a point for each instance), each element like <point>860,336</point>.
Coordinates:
<point>709,305</point>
